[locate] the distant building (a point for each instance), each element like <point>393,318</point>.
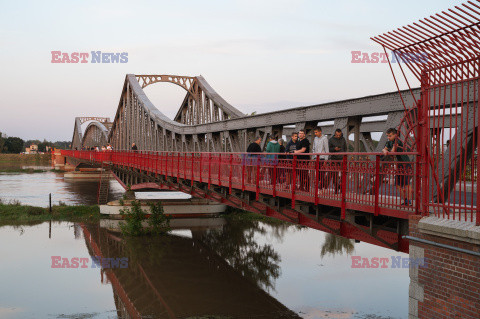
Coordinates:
<point>33,149</point>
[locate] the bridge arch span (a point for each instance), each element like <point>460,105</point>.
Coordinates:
<point>96,134</point>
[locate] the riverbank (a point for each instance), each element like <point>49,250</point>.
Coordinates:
<point>26,159</point>
<point>14,212</point>
<point>22,170</point>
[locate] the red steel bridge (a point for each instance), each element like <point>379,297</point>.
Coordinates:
<point>200,152</point>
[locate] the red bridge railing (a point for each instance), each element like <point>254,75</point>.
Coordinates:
<point>360,181</point>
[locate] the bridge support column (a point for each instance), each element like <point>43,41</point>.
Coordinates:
<point>354,128</point>
<point>446,284</point>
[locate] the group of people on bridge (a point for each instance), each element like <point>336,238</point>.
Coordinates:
<point>330,152</point>
<point>97,148</point>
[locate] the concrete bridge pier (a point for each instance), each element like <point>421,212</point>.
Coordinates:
<point>446,284</point>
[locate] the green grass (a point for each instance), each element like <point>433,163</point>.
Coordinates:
<point>21,170</point>
<point>25,158</point>
<point>24,214</point>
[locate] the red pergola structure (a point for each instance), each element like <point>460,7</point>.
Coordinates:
<point>443,53</point>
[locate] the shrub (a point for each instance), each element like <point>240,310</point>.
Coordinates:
<point>159,223</point>
<point>134,217</point>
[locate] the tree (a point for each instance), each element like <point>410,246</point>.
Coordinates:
<point>2,142</point>
<point>14,145</point>
<point>42,146</point>
<point>62,144</point>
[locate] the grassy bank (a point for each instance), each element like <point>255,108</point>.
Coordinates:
<point>239,214</point>
<point>24,214</point>
<point>26,159</point>
<point>21,170</point>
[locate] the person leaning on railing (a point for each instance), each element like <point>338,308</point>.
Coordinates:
<point>403,169</point>
<point>251,159</point>
<point>281,174</point>
<point>303,147</point>
<point>272,160</point>
<point>336,144</point>
<point>291,147</point>
<point>320,145</point>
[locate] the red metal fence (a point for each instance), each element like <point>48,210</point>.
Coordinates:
<point>443,53</point>
<point>361,181</point>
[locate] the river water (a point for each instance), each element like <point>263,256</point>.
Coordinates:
<point>231,269</point>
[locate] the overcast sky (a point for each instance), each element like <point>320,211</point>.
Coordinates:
<point>260,55</point>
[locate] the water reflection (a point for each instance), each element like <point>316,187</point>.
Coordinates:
<point>223,271</point>
<point>334,245</point>
<point>179,277</point>
<point>237,245</point>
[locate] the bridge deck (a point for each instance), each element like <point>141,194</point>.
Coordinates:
<point>357,182</point>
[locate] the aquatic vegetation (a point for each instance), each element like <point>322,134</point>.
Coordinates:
<point>158,222</point>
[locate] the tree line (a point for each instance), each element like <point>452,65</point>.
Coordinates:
<point>16,145</point>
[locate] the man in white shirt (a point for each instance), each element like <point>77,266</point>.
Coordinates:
<point>320,145</point>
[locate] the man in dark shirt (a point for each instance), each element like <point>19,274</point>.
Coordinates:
<point>292,145</point>
<point>255,146</point>
<point>336,144</point>
<point>404,168</point>
<point>302,148</point>
<point>251,159</point>
<point>134,147</point>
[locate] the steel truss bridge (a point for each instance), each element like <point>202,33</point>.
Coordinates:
<point>200,150</point>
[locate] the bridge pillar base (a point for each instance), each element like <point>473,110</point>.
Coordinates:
<point>446,283</point>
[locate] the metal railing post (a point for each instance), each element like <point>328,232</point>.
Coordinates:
<point>294,179</point>
<point>317,168</point>
<point>219,169</point>
<point>344,186</point>
<point>274,179</point>
<point>178,166</point>
<point>257,182</point>
<point>200,165</point>
<point>209,169</point>
<point>418,196</point>
<point>244,162</point>
<point>185,166</point>
<point>377,183</point>
<point>191,175</point>
<point>230,175</point>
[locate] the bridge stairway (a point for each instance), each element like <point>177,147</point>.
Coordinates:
<point>104,184</point>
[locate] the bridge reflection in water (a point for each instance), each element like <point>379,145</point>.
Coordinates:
<point>179,277</point>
